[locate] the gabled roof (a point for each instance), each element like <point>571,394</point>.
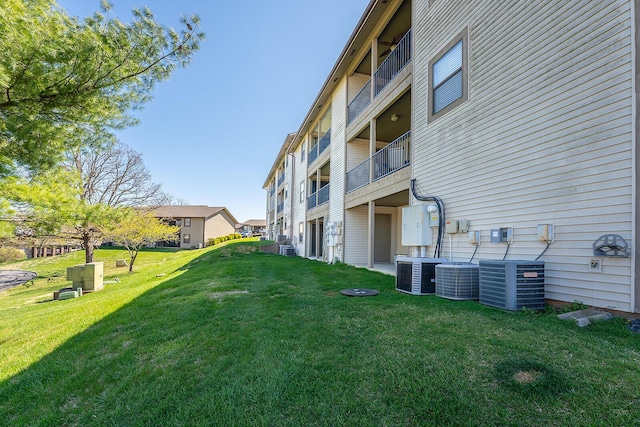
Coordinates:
<point>279,158</point>
<point>190,211</point>
<point>256,222</point>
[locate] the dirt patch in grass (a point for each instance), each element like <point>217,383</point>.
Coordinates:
<point>531,377</point>
<point>526,377</point>
<point>219,295</point>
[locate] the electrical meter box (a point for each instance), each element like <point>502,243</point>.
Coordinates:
<point>416,225</point>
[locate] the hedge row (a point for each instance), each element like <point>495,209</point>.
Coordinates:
<point>217,240</point>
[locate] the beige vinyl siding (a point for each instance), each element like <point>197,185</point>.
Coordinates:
<point>299,208</point>
<point>545,136</point>
<point>401,250</point>
<point>356,83</point>
<point>358,151</point>
<point>356,235</point>
<point>216,226</point>
<point>338,151</point>
<point>195,230</point>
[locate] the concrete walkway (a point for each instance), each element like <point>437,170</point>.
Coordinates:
<point>11,278</point>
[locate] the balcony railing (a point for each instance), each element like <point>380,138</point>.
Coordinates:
<point>312,201</point>
<point>272,191</point>
<point>358,176</point>
<point>280,179</point>
<point>392,157</point>
<point>313,154</point>
<point>324,142</point>
<point>319,197</point>
<point>320,146</point>
<point>280,207</point>
<point>360,102</point>
<point>397,59</point>
<point>323,195</point>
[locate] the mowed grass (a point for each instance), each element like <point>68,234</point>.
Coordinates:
<point>231,337</point>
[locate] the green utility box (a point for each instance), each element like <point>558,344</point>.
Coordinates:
<point>88,277</point>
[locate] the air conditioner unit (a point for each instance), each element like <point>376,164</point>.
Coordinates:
<point>457,280</point>
<point>512,284</point>
<point>415,275</point>
<point>287,250</point>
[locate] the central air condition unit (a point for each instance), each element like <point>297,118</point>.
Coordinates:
<point>512,284</point>
<point>416,275</point>
<point>457,280</point>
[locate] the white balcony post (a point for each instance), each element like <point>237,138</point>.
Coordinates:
<point>374,67</point>
<point>371,241</point>
<point>372,147</point>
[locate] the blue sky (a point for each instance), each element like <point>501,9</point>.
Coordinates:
<point>212,131</point>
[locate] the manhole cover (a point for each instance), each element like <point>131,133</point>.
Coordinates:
<point>359,292</point>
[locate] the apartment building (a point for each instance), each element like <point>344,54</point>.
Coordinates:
<point>518,119</point>
<point>198,224</point>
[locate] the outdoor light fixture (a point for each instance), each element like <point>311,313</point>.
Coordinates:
<point>394,118</point>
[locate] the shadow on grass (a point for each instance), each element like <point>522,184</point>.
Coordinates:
<point>162,358</point>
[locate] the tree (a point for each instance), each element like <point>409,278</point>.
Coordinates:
<point>62,80</point>
<point>138,229</point>
<point>111,177</point>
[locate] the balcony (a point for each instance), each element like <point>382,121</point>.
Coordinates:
<point>317,149</point>
<point>358,176</point>
<point>394,156</point>
<point>280,179</point>
<point>280,207</point>
<point>393,64</point>
<point>390,67</point>
<point>318,198</point>
<point>360,102</point>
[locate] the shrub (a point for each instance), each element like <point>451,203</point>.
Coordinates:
<point>216,241</point>
<point>237,236</point>
<point>11,254</point>
<point>211,242</point>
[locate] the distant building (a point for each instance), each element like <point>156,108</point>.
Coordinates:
<point>197,224</point>
<point>254,227</point>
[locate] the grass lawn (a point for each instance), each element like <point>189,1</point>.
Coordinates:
<point>230,337</point>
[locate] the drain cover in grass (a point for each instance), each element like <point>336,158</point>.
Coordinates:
<point>359,292</point>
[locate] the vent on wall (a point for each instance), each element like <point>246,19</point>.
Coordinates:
<point>512,284</point>
<point>457,281</point>
<point>416,275</point>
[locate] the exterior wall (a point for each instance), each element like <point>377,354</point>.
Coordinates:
<point>356,233</point>
<point>545,136</point>
<point>196,231</point>
<point>358,151</point>
<point>218,225</point>
<point>400,249</point>
<point>338,159</point>
<point>299,207</point>
<point>356,83</point>
<point>288,182</point>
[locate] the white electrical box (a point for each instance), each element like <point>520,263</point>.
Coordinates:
<point>451,226</point>
<point>474,237</point>
<point>545,233</point>
<point>416,225</point>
